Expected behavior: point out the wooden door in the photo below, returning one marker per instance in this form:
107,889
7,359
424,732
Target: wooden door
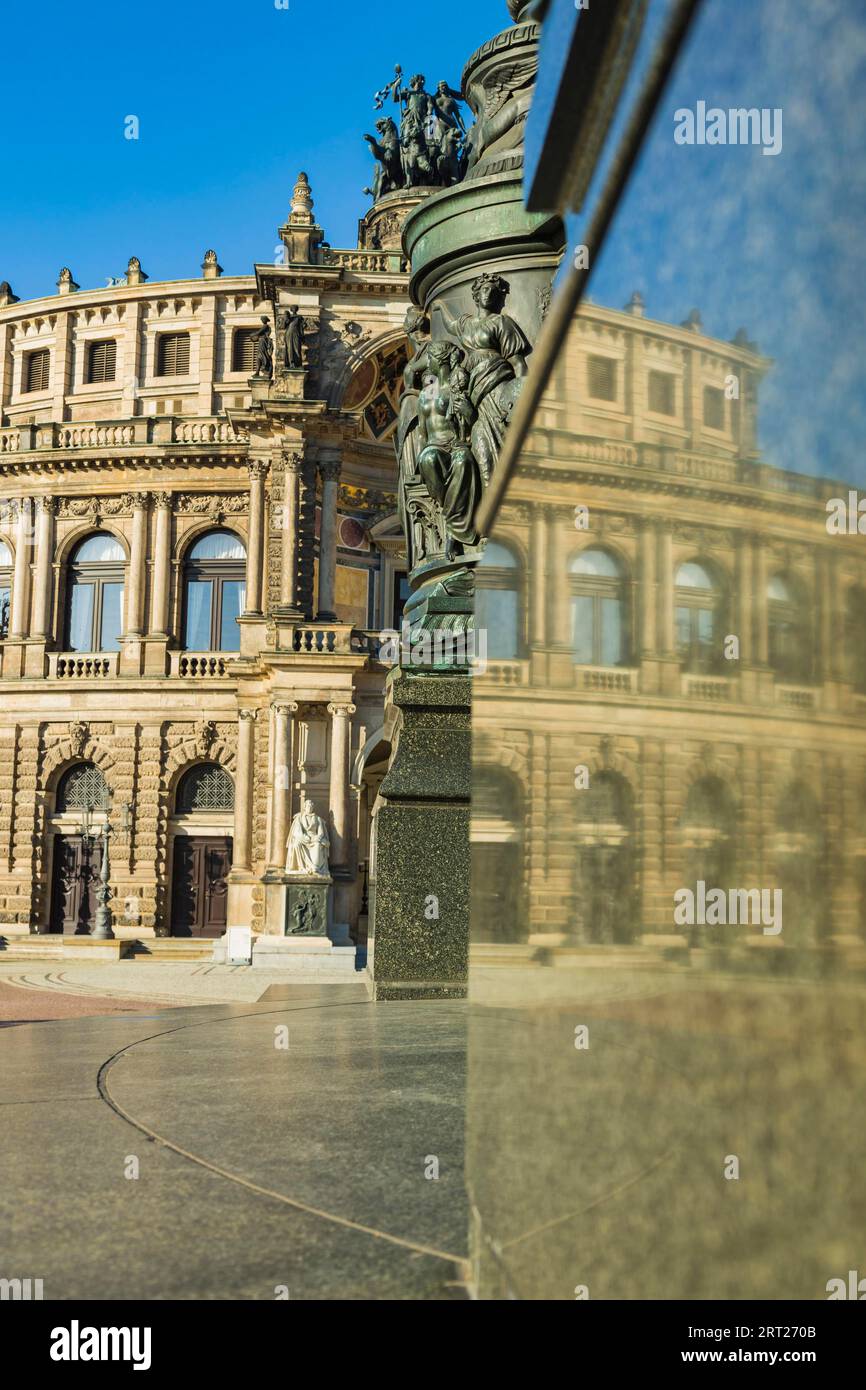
74,882
199,888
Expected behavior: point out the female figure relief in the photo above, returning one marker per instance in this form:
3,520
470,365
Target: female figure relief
496,349
446,461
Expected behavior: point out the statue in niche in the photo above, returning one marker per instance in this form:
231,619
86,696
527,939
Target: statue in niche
292,339
446,462
386,150
308,845
264,350
496,350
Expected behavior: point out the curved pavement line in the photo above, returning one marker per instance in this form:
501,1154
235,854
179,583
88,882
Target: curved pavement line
345,1221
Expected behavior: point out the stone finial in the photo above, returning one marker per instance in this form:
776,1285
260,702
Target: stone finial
6,295
65,282
635,305
302,201
134,273
694,321
211,268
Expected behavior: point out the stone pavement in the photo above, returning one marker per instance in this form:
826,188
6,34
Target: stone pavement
277,1146
162,982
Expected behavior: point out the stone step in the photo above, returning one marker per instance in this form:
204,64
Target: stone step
31,947
174,948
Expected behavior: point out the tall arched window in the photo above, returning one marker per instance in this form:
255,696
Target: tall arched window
205,787
214,593
497,601
698,617
5,588
789,647
605,880
597,609
94,597
855,639
707,829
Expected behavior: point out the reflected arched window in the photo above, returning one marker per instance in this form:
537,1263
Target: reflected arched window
597,609
698,617
707,829
855,643
214,593
497,601
205,787
94,595
496,840
800,864
605,881
5,588
788,640
80,787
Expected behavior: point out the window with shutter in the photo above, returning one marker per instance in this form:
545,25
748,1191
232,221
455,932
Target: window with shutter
601,377
172,354
243,350
714,407
662,393
102,360
37,370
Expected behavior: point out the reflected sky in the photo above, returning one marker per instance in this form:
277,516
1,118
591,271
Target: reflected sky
769,243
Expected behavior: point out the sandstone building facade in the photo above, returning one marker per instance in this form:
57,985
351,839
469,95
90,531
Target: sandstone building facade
194,565
676,686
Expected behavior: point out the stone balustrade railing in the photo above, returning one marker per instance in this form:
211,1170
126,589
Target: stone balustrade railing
119,434
708,687
198,665
381,262
83,666
612,679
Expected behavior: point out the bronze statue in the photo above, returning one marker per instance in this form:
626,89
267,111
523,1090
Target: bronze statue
264,350
446,461
293,339
447,110
386,150
496,350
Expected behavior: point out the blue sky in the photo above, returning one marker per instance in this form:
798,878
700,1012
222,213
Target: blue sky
772,243
233,99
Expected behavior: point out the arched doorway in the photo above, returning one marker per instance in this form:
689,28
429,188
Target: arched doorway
707,831
496,843
81,804
605,890
800,857
202,851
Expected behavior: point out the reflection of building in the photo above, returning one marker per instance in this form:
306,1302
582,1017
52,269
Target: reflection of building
676,687
194,560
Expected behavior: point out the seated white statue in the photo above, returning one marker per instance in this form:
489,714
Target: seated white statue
308,845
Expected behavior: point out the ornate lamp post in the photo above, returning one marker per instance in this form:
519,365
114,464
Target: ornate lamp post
102,925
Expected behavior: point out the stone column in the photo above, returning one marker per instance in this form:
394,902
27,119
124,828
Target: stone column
648,639
161,564
339,791
329,467
20,614
44,566
282,780
137,558
243,837
291,519
666,640
762,635
540,543
255,551
744,598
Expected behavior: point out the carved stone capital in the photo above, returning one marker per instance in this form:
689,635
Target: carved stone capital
48,505
258,468
330,470
247,715
162,499
338,709
293,462
286,707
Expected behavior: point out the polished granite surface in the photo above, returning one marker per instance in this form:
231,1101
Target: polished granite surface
260,1165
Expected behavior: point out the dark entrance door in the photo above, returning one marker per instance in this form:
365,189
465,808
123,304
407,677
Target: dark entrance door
199,889
74,881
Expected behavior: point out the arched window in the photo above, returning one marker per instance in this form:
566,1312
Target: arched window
800,863
5,588
80,787
214,593
605,879
205,787
497,601
855,643
707,829
597,609
698,617
788,641
496,832
94,598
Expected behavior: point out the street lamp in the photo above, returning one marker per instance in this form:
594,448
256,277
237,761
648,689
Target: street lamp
102,924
